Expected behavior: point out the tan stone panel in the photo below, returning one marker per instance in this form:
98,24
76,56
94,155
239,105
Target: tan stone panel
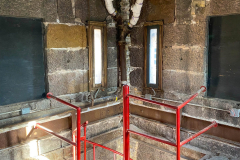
64,36
155,10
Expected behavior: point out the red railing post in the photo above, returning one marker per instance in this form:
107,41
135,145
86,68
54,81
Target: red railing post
78,133
178,141
74,148
126,146
93,152
85,135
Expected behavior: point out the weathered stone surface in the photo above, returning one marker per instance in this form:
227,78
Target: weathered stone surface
182,82
152,12
65,11
68,135
144,14
67,82
58,60
211,113
108,136
55,155
46,9
103,126
145,151
203,142
224,7
189,153
26,151
137,36
183,10
97,10
56,104
187,59
42,105
49,144
81,9
136,78
154,128
112,77
185,35
136,57
111,37
37,105
50,11
112,57
64,36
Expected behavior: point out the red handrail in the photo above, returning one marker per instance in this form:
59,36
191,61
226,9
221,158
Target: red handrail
153,138
76,145
214,124
178,144
126,130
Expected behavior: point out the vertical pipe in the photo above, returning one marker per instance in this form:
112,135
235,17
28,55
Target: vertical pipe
122,48
114,156
85,148
74,148
93,152
178,119
78,133
126,147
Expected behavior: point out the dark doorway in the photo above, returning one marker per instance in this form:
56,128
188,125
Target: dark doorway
22,69
224,57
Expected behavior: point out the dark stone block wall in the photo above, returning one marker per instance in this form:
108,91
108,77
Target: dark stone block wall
65,48
152,10
185,50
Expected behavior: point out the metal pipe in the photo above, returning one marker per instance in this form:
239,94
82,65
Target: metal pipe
123,64
37,126
126,137
151,101
178,138
214,124
153,138
79,133
203,89
85,145
50,95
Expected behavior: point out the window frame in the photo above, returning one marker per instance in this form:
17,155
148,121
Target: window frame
147,27
91,26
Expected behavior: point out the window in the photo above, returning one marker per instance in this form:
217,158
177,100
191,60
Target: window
153,55
224,57
21,60
97,55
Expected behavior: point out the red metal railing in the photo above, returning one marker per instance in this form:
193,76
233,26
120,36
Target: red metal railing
127,131
76,138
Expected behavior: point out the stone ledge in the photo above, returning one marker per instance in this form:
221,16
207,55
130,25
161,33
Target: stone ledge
207,143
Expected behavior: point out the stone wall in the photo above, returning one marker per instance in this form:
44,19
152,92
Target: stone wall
67,68
153,10
185,51
66,49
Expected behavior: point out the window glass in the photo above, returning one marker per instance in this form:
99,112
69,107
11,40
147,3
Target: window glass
98,55
152,57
